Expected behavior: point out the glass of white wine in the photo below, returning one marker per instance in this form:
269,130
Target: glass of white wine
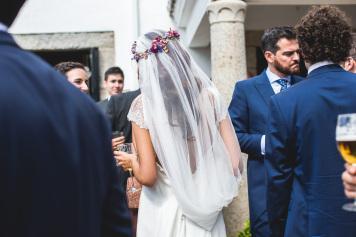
346,142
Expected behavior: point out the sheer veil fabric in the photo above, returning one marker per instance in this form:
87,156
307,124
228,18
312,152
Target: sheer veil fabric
183,111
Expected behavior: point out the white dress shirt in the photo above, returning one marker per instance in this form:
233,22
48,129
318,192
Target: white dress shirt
318,64
272,77
273,81
3,27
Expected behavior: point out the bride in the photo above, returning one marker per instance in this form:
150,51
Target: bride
188,157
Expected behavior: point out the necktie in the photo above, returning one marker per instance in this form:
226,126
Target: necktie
283,83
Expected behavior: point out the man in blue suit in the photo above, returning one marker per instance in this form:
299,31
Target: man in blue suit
57,172
249,110
304,190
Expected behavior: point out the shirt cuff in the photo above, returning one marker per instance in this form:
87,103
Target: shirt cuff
263,151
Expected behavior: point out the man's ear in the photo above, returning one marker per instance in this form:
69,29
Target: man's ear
269,56
353,65
349,64
105,83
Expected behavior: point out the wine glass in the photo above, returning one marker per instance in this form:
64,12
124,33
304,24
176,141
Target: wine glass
346,143
127,147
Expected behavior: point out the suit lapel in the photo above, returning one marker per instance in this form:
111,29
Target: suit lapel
264,87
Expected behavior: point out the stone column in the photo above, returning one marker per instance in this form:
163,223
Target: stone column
228,65
227,37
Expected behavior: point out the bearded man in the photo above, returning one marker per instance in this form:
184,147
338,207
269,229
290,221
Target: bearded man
249,111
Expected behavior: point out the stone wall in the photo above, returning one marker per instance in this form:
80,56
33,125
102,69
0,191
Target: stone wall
253,41
104,41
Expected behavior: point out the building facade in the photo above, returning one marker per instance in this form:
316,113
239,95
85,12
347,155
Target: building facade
96,33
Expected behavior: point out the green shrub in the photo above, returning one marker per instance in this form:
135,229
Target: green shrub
246,231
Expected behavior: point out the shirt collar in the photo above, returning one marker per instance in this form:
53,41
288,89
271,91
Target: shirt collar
272,77
318,64
3,27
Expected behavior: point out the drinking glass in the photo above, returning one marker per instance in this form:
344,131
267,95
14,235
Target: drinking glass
346,143
127,147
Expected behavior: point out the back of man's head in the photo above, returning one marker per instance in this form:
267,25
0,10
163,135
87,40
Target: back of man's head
324,33
9,10
272,35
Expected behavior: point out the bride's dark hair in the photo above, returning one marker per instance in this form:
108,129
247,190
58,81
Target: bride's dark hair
179,59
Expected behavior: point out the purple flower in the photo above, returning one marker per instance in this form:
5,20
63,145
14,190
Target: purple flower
158,45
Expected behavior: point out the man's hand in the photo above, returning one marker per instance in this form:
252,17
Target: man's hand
117,141
125,160
349,180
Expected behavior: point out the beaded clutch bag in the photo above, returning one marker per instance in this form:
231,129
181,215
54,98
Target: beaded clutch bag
133,192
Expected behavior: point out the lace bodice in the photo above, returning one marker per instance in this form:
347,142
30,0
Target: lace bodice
136,112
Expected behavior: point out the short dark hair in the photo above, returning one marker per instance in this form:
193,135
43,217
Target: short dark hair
272,35
65,67
113,70
324,33
9,10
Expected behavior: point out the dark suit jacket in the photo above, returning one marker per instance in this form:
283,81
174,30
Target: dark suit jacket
304,192
57,173
103,105
249,111
118,108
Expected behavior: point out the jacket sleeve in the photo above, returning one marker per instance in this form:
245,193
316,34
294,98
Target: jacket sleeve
279,162
239,112
111,113
116,220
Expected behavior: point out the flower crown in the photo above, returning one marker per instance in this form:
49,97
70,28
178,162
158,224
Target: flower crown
158,45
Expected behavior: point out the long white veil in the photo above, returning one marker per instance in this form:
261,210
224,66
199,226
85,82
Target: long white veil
183,111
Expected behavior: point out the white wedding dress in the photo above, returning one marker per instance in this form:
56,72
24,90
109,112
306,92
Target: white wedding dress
159,212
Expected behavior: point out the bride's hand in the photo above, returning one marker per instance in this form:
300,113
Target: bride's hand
124,159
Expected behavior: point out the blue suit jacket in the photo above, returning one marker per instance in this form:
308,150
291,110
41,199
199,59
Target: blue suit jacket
57,172
249,111
304,192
